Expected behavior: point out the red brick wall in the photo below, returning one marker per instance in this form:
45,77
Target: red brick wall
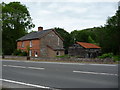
35,46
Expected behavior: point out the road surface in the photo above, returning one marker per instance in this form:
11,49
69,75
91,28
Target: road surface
51,75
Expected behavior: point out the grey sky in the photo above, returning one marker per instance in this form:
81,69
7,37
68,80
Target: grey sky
71,15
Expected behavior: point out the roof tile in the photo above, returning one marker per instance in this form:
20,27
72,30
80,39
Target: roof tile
88,45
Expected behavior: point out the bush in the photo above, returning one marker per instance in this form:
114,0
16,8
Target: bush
106,55
18,52
116,58
24,53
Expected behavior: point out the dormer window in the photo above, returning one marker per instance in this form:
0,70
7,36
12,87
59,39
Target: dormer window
30,43
22,44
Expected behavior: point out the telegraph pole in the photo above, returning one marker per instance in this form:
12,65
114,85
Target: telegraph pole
118,16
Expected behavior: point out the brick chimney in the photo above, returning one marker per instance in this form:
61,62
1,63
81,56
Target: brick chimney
40,28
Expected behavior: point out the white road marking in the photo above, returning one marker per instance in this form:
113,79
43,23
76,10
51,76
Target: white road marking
27,84
24,67
36,68
15,66
104,64
4,65
95,73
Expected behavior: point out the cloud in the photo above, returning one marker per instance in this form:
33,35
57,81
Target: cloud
45,12
83,1
71,15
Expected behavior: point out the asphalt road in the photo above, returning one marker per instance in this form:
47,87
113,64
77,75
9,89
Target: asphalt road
49,75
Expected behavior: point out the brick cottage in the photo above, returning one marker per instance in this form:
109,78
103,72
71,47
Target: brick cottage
42,43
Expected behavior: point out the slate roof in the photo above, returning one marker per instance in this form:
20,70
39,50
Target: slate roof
55,48
88,45
35,35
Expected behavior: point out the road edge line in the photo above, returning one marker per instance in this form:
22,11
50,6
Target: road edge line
23,83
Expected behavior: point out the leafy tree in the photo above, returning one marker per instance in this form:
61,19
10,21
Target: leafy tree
106,36
73,35
85,35
90,40
16,22
113,31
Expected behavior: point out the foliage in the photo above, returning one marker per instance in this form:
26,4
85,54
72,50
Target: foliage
106,36
18,52
106,55
83,36
112,28
116,58
16,22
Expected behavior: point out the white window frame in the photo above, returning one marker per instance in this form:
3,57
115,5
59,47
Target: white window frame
22,43
36,54
30,43
30,53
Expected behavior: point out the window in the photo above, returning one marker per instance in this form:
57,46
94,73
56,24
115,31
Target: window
22,44
36,54
30,53
58,53
30,43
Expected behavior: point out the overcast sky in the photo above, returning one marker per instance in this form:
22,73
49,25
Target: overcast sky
70,14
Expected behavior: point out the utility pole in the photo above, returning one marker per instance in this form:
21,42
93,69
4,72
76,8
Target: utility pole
118,16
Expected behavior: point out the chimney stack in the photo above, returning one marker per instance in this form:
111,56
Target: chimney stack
40,28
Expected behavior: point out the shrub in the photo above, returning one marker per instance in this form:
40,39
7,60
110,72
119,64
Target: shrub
116,58
18,52
106,55
24,53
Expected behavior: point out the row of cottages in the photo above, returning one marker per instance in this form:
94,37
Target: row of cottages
42,43
84,50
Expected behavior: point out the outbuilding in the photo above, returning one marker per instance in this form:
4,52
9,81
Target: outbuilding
84,50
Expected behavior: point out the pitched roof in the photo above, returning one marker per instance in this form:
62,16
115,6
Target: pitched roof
36,35
88,45
55,48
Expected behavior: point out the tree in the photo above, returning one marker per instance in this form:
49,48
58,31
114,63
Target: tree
16,23
113,33
90,40
85,35
73,36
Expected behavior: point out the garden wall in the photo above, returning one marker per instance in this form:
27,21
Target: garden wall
107,60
